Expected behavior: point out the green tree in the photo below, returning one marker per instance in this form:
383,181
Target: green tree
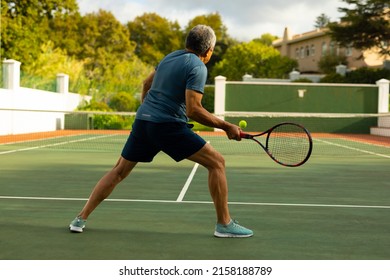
328,62
365,25
50,36
124,76
65,34
108,55
322,21
104,40
154,37
214,20
123,102
253,58
224,41
25,26
41,73
266,39
280,67
95,105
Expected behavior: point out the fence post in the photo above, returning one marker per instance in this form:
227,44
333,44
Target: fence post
247,78
341,69
11,74
62,83
294,75
383,95
219,96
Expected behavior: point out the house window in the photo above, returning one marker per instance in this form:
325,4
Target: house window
312,50
324,48
332,48
297,53
307,51
302,52
348,51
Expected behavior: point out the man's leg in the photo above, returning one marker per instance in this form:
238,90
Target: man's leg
101,191
215,164
106,185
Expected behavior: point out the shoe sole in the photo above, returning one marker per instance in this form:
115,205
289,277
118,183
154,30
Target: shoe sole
231,235
76,229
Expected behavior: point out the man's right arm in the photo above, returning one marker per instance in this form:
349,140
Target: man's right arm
146,85
198,113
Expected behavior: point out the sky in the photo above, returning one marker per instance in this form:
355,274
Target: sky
244,19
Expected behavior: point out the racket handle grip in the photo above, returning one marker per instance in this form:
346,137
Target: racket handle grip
245,135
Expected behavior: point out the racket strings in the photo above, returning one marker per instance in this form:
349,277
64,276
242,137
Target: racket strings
289,144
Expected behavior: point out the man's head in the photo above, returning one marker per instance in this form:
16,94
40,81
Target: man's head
201,40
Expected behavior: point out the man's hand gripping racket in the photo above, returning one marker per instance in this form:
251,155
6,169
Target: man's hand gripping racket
288,144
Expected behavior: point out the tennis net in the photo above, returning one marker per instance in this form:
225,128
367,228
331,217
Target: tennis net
334,134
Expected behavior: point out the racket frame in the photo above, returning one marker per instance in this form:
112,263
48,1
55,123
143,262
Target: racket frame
269,131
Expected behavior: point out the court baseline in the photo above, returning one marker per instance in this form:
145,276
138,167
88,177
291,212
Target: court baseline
201,202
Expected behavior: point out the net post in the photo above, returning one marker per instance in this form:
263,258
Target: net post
383,95
219,97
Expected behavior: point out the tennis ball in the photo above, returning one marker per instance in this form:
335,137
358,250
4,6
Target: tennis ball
242,124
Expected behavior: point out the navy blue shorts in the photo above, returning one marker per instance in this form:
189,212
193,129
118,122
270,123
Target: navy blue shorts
147,139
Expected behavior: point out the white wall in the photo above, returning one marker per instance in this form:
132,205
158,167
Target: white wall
27,105
21,109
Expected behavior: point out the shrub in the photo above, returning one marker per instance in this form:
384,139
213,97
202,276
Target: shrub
367,75
208,98
333,78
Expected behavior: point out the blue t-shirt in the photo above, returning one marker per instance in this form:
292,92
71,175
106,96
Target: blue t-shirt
165,101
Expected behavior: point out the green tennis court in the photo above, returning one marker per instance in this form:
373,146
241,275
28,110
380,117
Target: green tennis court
336,206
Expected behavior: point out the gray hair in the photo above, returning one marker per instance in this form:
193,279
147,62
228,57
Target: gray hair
200,39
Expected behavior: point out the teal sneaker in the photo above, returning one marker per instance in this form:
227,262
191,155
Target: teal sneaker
77,225
233,229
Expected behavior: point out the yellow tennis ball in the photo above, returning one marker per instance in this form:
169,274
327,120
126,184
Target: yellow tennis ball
242,124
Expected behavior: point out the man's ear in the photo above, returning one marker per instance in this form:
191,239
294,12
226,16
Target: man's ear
209,51
206,53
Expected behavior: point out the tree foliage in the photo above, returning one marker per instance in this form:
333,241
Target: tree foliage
322,21
104,40
362,75
109,60
328,62
123,102
266,39
155,37
253,58
224,41
101,121
365,25
41,73
366,75
25,25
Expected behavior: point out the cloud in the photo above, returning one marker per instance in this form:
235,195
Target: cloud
245,19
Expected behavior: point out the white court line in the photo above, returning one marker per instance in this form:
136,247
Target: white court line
36,140
187,184
354,149
52,145
202,202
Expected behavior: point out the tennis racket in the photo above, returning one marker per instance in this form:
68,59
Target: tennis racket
288,144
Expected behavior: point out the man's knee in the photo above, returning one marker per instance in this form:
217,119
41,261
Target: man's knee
218,161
